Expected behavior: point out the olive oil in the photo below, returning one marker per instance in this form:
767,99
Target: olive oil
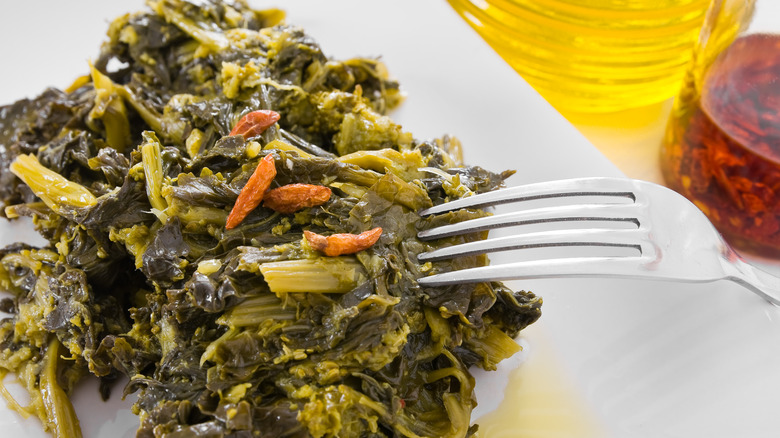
592,56
539,401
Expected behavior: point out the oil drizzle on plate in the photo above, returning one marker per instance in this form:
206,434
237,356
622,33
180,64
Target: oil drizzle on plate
539,401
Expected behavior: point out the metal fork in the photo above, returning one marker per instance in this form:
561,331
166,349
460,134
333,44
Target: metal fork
668,237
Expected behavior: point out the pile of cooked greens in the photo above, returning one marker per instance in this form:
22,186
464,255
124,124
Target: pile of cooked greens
252,329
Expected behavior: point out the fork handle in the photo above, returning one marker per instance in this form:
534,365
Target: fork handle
757,280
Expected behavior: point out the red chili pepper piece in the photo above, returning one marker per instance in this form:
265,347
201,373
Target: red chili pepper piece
293,197
254,123
252,193
338,244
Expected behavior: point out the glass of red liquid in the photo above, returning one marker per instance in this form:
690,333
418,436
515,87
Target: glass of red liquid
722,143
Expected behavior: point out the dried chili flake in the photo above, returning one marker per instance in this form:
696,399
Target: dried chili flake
293,197
255,123
344,243
252,193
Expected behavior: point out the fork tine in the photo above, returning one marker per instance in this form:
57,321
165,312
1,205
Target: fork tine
590,237
580,267
583,212
617,187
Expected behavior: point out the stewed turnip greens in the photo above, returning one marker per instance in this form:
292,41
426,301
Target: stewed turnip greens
260,328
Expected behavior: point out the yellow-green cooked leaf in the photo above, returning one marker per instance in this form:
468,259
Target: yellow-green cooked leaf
322,275
151,156
58,193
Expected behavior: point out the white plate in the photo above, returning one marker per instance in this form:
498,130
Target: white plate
609,358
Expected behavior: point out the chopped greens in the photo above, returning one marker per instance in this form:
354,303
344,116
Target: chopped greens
261,328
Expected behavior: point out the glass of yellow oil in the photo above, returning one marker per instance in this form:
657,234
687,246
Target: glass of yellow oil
592,56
